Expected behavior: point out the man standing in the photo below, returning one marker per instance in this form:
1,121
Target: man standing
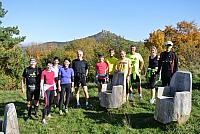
137,63
168,64
124,65
31,76
80,67
111,60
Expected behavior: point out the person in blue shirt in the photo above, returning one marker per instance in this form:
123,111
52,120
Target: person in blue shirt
65,84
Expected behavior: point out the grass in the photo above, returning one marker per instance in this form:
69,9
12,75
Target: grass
130,118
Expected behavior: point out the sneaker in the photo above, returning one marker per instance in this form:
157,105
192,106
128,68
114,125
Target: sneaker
66,111
140,98
88,106
152,101
131,97
44,122
27,119
49,115
60,112
78,106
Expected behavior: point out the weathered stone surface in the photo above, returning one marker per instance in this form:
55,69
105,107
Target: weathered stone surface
174,101
10,120
119,79
115,97
112,99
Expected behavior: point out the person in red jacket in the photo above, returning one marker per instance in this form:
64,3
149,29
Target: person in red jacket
101,72
48,86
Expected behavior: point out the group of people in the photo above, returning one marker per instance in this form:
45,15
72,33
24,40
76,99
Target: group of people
56,82
163,66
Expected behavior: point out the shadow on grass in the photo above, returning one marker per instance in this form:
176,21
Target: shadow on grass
196,86
135,121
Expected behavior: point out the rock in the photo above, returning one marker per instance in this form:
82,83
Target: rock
10,120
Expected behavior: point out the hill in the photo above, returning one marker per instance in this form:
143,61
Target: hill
99,37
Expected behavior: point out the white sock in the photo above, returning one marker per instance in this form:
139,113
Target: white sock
78,103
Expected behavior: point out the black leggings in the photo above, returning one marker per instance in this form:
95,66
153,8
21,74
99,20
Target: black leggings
48,98
65,88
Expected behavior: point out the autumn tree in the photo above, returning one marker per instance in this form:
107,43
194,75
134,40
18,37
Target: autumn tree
186,39
11,56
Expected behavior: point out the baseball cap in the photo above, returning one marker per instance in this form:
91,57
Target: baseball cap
101,55
168,43
32,60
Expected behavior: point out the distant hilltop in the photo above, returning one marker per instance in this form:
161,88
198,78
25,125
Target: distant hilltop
99,37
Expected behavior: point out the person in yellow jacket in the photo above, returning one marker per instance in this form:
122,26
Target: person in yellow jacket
111,60
137,64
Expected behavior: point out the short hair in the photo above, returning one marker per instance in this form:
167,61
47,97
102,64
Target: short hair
122,51
80,51
153,47
111,49
132,46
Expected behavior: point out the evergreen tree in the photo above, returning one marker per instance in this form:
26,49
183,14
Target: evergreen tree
11,56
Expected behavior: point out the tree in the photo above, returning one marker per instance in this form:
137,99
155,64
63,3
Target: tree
186,39
11,58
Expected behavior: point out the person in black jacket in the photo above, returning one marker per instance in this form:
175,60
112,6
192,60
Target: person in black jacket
80,67
31,78
168,64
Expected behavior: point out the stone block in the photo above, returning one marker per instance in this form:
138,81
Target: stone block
10,120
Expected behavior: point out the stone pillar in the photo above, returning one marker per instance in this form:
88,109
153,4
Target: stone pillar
119,79
10,120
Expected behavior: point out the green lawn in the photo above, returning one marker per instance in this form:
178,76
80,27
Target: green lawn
130,118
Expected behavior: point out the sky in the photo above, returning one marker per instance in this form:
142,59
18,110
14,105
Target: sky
65,20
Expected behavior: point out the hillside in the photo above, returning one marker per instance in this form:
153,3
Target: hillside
99,37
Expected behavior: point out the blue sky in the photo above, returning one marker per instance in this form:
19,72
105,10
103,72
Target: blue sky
65,20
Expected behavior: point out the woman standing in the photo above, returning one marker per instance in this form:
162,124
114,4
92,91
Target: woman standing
152,68
65,84
48,87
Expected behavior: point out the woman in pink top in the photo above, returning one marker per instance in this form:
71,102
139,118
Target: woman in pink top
48,86
101,72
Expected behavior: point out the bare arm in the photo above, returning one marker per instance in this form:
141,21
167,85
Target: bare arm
23,84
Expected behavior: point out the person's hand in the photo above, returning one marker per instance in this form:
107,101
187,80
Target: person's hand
55,93
128,77
59,88
42,96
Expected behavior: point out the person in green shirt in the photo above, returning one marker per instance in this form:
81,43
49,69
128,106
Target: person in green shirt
111,60
137,64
